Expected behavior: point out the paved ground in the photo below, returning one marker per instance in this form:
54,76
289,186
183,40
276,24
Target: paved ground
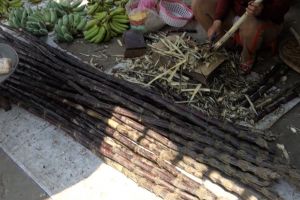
62,167
15,184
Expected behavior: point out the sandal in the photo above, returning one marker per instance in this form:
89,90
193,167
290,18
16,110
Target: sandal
246,67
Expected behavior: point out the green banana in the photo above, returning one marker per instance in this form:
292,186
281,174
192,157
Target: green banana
64,29
108,32
33,24
92,8
43,31
91,23
66,4
47,15
71,20
101,35
121,26
79,8
66,7
33,18
114,34
29,11
124,16
15,3
68,37
115,28
96,35
77,19
59,22
82,24
7,5
101,15
121,21
58,32
75,4
117,11
24,18
88,35
65,20
53,16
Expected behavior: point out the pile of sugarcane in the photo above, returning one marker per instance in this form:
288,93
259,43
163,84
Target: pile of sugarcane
150,139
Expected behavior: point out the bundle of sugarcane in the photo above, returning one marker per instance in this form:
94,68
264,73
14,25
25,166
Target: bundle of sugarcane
148,138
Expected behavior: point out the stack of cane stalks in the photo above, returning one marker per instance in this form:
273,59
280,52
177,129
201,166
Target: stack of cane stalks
150,139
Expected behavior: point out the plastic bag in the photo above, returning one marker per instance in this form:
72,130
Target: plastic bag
147,4
143,15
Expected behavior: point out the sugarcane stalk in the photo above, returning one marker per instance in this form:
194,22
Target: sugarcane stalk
146,180
277,96
178,183
195,145
252,89
273,106
112,81
48,89
123,141
79,82
271,82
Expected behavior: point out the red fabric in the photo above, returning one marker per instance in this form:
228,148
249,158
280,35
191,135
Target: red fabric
272,45
274,10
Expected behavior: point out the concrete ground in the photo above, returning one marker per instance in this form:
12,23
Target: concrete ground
15,184
55,177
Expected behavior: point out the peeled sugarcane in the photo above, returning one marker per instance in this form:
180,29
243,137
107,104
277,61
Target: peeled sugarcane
62,118
99,127
197,188
234,28
152,183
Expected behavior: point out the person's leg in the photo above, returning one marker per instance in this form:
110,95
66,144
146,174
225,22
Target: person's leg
255,33
204,12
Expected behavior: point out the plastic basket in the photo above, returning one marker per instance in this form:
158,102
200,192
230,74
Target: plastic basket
174,13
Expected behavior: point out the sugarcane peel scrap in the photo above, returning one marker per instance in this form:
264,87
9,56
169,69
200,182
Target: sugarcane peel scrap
161,69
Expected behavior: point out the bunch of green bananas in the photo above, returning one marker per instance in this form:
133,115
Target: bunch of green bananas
40,21
68,7
106,25
96,6
7,5
18,17
50,17
37,22
69,26
34,1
